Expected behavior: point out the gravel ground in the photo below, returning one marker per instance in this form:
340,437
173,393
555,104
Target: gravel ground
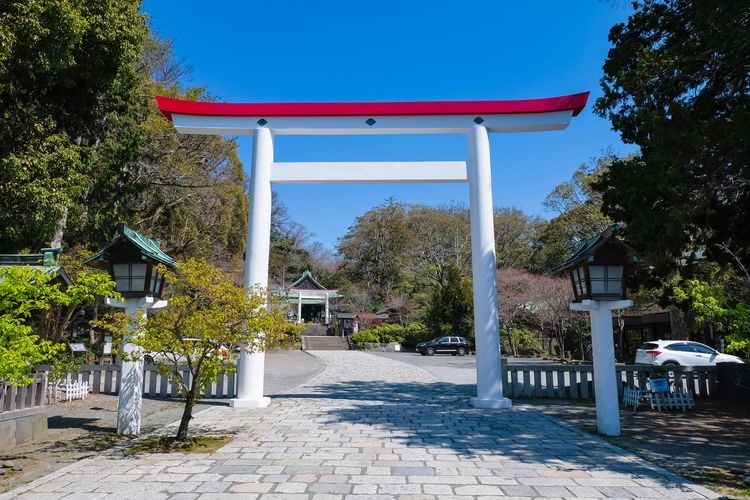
709,445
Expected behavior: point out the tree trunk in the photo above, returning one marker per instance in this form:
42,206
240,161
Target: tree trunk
187,414
60,229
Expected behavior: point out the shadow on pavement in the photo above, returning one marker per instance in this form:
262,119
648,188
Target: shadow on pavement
438,415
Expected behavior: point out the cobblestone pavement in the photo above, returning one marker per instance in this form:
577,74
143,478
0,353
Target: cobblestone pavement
365,428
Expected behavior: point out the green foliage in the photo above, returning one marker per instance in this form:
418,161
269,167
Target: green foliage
707,304
524,341
189,188
62,365
414,333
67,84
23,292
451,308
288,337
578,214
738,339
206,316
408,336
516,238
365,337
374,249
90,286
676,85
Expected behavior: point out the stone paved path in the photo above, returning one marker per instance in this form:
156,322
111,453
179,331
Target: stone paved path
365,428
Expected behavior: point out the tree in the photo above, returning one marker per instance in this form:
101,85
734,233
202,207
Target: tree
516,238
677,85
440,239
539,303
374,248
706,304
24,291
451,309
67,98
206,318
578,214
89,288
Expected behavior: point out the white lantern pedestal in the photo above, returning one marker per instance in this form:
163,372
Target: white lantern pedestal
605,376
130,395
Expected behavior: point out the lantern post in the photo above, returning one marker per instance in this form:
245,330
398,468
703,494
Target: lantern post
132,260
597,271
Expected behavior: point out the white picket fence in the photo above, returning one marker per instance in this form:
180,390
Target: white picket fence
105,379
538,380
565,381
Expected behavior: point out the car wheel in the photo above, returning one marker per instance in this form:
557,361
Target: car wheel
461,351
670,373
430,351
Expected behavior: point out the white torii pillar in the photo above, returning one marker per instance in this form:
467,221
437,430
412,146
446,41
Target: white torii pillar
484,273
250,374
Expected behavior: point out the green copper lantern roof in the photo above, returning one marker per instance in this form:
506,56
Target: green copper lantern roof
148,247
587,248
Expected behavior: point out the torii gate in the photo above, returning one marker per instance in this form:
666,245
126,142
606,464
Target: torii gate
474,118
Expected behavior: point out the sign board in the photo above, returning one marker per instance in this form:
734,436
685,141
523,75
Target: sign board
76,347
659,385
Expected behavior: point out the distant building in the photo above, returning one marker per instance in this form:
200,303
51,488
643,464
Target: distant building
309,301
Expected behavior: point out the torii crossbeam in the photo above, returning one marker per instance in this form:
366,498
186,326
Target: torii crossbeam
476,119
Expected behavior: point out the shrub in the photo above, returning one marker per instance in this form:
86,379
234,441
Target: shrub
288,337
365,336
414,333
520,341
408,336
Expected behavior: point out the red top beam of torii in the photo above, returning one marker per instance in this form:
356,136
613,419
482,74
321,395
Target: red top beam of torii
573,102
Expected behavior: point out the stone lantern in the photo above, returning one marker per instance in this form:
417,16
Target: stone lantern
132,260
597,270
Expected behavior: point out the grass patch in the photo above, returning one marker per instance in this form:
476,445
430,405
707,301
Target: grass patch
168,444
726,482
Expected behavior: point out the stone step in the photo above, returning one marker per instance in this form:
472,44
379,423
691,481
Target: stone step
316,343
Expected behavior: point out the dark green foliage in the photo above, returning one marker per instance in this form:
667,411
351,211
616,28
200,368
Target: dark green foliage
66,79
677,84
374,249
408,336
451,308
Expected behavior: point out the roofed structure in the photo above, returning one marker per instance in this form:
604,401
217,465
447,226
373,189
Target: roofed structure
46,261
129,240
311,299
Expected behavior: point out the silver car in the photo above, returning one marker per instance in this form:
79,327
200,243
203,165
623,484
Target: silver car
681,352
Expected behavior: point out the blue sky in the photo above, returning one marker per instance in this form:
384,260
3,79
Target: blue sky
326,51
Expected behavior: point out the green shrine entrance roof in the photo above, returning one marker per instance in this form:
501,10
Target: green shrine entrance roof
47,261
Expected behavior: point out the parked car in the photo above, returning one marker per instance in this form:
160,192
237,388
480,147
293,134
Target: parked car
457,346
681,352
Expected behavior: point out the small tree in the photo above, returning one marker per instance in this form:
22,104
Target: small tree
24,291
206,318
